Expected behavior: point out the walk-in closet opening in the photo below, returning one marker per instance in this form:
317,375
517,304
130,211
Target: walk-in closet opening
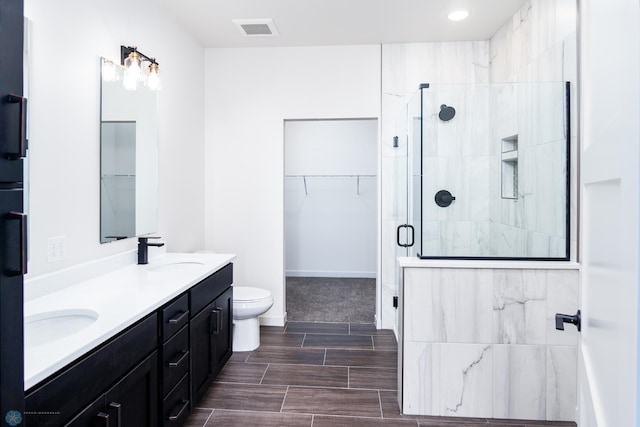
330,207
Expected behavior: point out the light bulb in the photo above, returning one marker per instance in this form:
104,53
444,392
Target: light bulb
129,82
153,79
132,66
108,71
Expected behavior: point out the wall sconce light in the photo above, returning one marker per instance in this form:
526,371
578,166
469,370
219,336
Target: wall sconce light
132,60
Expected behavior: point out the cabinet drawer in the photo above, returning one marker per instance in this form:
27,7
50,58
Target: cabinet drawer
209,289
175,359
175,407
175,316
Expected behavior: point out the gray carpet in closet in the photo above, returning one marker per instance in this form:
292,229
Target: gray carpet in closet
330,299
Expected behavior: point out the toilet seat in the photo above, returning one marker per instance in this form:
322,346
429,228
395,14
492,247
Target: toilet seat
244,294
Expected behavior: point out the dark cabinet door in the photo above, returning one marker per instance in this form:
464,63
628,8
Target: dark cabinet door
202,351
223,338
132,402
12,260
211,342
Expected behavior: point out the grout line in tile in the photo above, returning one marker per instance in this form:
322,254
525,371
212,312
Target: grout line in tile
283,399
313,418
380,404
303,340
208,418
264,373
348,376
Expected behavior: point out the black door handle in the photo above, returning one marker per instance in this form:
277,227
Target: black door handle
413,232
561,319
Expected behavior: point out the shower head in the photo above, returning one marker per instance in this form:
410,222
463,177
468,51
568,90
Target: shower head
446,113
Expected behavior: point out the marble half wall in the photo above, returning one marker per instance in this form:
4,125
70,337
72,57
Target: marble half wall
481,342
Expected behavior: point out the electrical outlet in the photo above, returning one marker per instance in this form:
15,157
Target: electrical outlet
56,250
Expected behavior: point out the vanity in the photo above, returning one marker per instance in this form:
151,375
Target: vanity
137,346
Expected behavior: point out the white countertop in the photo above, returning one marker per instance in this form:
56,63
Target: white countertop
120,298
415,262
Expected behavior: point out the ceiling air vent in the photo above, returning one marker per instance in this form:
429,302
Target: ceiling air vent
256,27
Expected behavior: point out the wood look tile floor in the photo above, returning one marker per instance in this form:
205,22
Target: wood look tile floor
319,375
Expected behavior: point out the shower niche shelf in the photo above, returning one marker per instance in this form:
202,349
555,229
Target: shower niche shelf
509,167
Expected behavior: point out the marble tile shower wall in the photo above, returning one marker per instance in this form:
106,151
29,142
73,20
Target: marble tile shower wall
456,157
533,224
538,45
482,343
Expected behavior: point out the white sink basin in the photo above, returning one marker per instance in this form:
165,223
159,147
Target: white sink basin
176,265
50,326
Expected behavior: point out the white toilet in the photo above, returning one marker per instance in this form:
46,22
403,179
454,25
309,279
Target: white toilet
248,304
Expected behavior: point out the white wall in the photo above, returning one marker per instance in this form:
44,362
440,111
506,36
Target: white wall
68,37
331,198
249,94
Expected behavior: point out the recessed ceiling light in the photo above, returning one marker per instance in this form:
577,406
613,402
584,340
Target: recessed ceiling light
458,14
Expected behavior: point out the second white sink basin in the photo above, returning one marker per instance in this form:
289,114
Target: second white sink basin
177,265
52,325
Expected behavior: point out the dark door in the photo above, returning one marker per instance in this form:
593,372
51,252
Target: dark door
12,105
12,221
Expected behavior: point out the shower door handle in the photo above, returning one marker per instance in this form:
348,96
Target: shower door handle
413,231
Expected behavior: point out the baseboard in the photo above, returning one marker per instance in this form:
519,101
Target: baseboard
273,320
345,274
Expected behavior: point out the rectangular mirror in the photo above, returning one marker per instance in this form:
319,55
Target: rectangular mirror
128,157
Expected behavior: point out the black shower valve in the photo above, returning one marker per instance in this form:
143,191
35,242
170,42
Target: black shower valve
444,198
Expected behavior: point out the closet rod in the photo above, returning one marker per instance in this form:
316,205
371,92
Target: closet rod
304,180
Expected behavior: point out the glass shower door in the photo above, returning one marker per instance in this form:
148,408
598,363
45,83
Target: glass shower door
410,179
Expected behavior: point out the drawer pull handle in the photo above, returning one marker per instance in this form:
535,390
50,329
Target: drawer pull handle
21,151
216,325
21,263
178,317
102,419
115,412
185,405
176,363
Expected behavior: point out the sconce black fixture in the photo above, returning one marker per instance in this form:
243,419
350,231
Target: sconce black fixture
444,198
395,142
131,58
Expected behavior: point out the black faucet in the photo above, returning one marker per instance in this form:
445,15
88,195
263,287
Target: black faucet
143,249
